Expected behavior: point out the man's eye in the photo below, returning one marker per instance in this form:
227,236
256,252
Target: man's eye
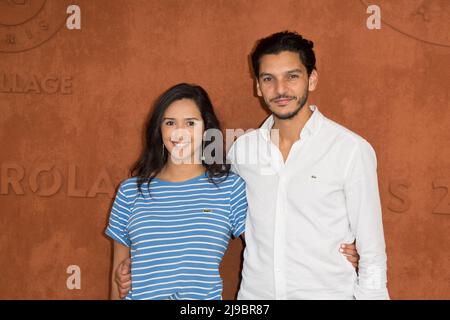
266,79
293,76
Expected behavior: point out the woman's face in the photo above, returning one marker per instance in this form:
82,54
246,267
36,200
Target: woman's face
182,131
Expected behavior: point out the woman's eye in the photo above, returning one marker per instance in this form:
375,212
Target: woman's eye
170,123
191,123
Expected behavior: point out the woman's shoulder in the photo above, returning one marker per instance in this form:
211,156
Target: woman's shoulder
235,177
129,186
231,180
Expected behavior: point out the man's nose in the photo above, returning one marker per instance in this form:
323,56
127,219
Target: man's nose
281,87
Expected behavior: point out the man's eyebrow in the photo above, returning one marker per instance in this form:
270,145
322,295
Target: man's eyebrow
294,71
262,74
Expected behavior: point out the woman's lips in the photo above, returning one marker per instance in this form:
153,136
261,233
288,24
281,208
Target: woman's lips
180,144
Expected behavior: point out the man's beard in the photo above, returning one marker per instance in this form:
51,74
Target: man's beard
292,114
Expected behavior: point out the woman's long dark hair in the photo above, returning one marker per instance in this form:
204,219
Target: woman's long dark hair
154,157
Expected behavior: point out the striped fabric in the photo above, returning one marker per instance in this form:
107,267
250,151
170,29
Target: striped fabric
179,235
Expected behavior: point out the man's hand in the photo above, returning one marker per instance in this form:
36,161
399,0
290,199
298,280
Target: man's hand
349,250
123,277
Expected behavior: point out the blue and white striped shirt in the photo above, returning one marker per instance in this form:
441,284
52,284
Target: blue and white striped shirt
178,234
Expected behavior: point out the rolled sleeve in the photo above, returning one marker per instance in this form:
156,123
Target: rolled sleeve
364,210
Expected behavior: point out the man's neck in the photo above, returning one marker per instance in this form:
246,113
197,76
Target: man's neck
289,129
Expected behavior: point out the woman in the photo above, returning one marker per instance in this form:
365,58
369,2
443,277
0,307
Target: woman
176,214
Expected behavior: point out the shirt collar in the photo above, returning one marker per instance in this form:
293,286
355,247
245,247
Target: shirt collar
311,126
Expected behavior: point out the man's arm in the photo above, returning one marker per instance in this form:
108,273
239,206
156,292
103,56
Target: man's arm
364,210
121,271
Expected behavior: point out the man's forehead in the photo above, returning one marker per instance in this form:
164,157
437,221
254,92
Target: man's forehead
281,62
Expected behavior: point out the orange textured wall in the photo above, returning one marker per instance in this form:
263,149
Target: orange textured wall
73,104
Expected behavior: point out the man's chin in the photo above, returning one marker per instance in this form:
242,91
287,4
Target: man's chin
285,115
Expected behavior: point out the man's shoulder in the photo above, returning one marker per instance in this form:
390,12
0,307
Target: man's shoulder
342,133
348,143
250,135
245,141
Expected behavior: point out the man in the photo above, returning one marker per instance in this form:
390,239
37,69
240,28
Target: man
313,186
317,189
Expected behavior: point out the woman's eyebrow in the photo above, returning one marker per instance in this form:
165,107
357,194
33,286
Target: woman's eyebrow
190,118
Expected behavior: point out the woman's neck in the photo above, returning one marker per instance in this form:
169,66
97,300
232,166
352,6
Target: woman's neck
180,172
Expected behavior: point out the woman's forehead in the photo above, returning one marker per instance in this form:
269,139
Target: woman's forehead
184,108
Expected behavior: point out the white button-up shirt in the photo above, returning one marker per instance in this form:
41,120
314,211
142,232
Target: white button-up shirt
301,210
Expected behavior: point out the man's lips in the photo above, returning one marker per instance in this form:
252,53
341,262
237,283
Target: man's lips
283,101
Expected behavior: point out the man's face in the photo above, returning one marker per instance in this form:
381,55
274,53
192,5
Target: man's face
284,84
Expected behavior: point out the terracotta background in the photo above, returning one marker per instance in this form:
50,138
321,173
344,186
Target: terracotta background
63,153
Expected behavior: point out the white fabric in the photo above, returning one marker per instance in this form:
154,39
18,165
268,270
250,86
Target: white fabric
301,210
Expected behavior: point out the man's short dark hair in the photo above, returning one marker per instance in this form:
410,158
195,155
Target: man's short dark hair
284,41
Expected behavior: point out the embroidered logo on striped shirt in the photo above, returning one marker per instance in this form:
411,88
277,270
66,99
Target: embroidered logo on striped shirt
207,211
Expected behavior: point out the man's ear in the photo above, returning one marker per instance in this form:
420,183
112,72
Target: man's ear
258,89
313,79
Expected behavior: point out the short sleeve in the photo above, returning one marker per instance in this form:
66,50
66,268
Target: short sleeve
119,216
238,207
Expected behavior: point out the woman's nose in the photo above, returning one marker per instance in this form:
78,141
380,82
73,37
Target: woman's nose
180,134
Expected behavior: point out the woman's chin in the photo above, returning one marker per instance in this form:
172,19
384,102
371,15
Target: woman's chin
180,159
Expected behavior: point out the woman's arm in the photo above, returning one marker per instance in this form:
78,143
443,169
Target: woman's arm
121,253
